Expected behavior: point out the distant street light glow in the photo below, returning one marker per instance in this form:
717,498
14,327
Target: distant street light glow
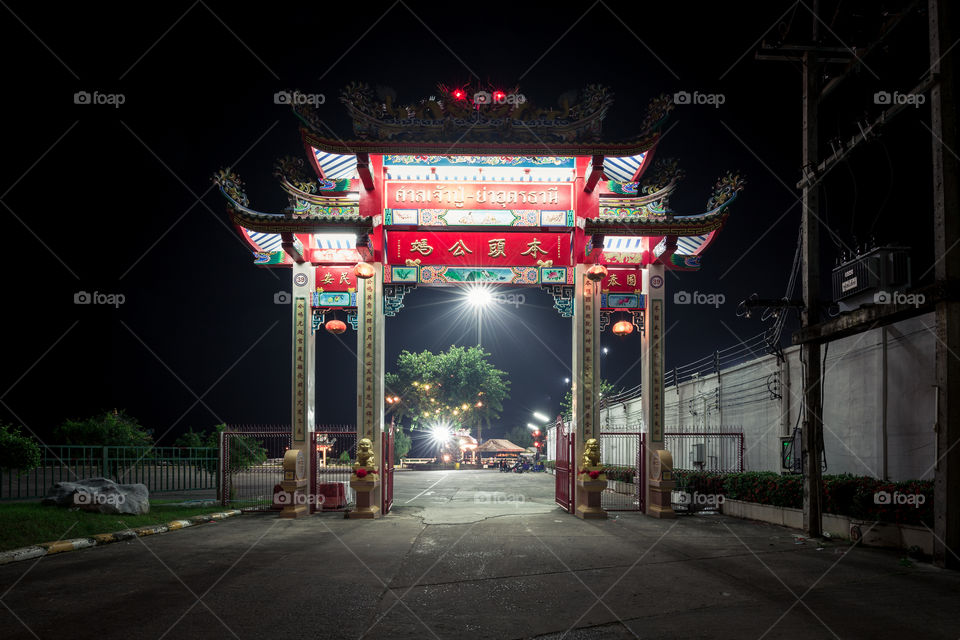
532,426
540,416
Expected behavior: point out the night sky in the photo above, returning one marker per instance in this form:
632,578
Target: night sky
118,200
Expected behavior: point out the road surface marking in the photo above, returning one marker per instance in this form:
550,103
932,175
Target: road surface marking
425,490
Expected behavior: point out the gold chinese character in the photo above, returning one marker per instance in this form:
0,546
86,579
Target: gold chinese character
421,247
459,249
631,280
533,248
613,282
344,279
497,246
327,278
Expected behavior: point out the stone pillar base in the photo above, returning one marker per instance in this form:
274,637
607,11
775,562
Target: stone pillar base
588,499
365,491
658,505
293,511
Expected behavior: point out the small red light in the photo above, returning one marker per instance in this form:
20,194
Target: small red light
499,96
459,94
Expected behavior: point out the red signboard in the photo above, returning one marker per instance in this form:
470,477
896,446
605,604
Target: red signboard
336,278
467,248
622,281
479,195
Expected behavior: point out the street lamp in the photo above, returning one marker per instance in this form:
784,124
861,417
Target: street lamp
479,296
539,416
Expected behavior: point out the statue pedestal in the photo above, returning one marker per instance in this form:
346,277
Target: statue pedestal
659,492
588,497
364,488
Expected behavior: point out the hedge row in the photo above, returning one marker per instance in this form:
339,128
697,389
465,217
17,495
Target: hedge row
847,495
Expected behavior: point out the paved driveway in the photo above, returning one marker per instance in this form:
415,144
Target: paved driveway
477,555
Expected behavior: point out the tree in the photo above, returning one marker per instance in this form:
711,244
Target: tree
458,387
245,451
566,406
401,444
110,429
17,451
521,436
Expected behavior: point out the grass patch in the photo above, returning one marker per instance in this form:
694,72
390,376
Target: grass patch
27,523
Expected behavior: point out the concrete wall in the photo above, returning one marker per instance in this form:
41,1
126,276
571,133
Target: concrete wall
878,394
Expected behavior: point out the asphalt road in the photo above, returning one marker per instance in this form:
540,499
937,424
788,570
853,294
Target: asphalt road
478,555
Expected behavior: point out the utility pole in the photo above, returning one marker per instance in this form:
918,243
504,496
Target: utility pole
810,315
946,224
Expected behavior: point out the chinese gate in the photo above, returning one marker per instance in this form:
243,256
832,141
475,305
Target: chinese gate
372,218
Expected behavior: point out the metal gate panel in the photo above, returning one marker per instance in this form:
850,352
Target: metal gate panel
386,487
565,466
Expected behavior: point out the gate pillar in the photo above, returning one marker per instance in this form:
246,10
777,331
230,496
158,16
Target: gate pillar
659,465
370,371
303,376
586,381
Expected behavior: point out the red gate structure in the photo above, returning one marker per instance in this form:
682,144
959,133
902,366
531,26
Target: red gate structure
386,488
565,466
334,447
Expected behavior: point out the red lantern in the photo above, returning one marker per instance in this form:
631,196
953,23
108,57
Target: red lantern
597,272
623,328
363,270
335,326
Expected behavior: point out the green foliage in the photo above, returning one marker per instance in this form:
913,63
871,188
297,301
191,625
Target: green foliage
401,445
460,387
520,436
550,464
620,473
844,494
17,451
245,451
110,429
566,406
345,457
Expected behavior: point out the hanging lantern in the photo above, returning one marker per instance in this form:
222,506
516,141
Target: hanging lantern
597,272
622,328
335,326
363,270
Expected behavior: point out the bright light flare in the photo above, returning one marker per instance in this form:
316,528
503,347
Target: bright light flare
479,295
440,435
539,416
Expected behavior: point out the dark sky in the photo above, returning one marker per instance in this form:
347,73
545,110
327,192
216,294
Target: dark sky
119,200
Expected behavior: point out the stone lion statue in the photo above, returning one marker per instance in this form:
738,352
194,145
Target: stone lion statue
591,453
364,454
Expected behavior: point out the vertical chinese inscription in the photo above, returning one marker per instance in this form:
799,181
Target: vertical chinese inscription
588,359
656,369
369,318
299,368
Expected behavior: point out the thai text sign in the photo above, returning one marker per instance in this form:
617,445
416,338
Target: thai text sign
478,248
478,195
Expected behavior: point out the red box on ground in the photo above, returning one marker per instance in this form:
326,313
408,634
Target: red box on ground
334,496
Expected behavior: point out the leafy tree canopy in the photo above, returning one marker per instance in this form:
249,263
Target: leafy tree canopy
459,387
521,436
109,429
17,451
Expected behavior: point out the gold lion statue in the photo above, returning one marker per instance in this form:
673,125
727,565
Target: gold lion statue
364,454
591,454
